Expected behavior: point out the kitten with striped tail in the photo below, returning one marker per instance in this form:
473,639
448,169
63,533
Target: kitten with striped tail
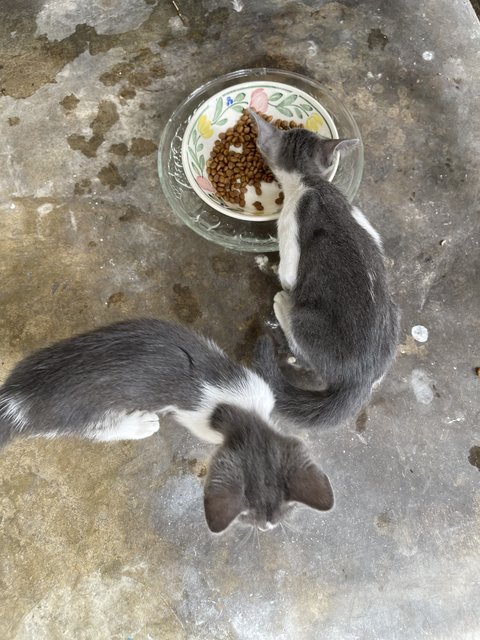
335,308
114,382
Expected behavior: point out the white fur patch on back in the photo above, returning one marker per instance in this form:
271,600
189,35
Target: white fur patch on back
287,226
360,218
252,393
14,410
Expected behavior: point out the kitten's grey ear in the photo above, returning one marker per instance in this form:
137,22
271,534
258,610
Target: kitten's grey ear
310,486
268,136
222,505
342,145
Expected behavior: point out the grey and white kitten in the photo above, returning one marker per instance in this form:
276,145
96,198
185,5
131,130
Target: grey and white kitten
111,384
335,308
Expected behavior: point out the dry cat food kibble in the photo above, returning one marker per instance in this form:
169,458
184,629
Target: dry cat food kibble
235,162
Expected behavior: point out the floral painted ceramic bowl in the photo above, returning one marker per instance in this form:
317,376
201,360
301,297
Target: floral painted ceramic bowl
221,111
198,214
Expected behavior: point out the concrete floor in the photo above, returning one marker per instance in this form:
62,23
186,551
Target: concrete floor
109,541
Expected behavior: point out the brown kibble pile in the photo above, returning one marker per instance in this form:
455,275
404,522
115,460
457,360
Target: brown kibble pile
235,162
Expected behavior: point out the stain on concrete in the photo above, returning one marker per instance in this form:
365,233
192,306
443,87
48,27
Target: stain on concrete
116,298
252,328
117,73
126,93
110,176
138,73
107,116
223,265
87,147
119,149
411,347
40,60
70,102
131,213
14,121
361,421
474,456
83,187
377,39
384,520
141,147
185,305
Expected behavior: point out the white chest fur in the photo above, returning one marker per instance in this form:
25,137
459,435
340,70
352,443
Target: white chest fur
289,246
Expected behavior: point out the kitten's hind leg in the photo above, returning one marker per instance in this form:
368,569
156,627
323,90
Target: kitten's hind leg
125,426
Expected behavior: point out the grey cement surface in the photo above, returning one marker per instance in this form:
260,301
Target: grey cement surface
105,541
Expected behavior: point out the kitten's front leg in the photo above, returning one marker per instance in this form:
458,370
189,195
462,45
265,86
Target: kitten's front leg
125,426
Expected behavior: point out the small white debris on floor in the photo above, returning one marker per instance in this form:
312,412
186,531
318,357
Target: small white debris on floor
262,263
420,333
428,55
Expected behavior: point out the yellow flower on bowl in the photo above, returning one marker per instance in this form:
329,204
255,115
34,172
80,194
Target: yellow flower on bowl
314,122
204,127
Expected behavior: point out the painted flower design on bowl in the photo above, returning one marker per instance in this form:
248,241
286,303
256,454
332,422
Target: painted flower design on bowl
314,122
204,127
259,100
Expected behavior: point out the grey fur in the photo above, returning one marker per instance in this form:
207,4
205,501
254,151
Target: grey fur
152,365
255,455
342,319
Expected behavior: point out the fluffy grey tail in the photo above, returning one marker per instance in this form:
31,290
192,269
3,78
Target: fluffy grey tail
326,408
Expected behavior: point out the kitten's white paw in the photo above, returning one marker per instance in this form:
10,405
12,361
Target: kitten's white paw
131,426
141,424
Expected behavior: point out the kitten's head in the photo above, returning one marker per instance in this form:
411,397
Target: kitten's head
298,150
258,474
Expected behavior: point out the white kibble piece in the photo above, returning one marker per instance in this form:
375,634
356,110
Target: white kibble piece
420,333
291,360
428,55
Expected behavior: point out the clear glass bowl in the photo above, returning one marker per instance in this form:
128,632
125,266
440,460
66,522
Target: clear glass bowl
242,235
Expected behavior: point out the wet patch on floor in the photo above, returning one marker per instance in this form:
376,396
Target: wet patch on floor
110,176
70,102
116,298
474,456
361,421
107,116
185,305
119,149
252,328
141,147
377,39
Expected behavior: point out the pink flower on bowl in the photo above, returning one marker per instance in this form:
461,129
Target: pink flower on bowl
259,100
205,184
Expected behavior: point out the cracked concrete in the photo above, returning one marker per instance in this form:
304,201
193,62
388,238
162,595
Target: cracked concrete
109,541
